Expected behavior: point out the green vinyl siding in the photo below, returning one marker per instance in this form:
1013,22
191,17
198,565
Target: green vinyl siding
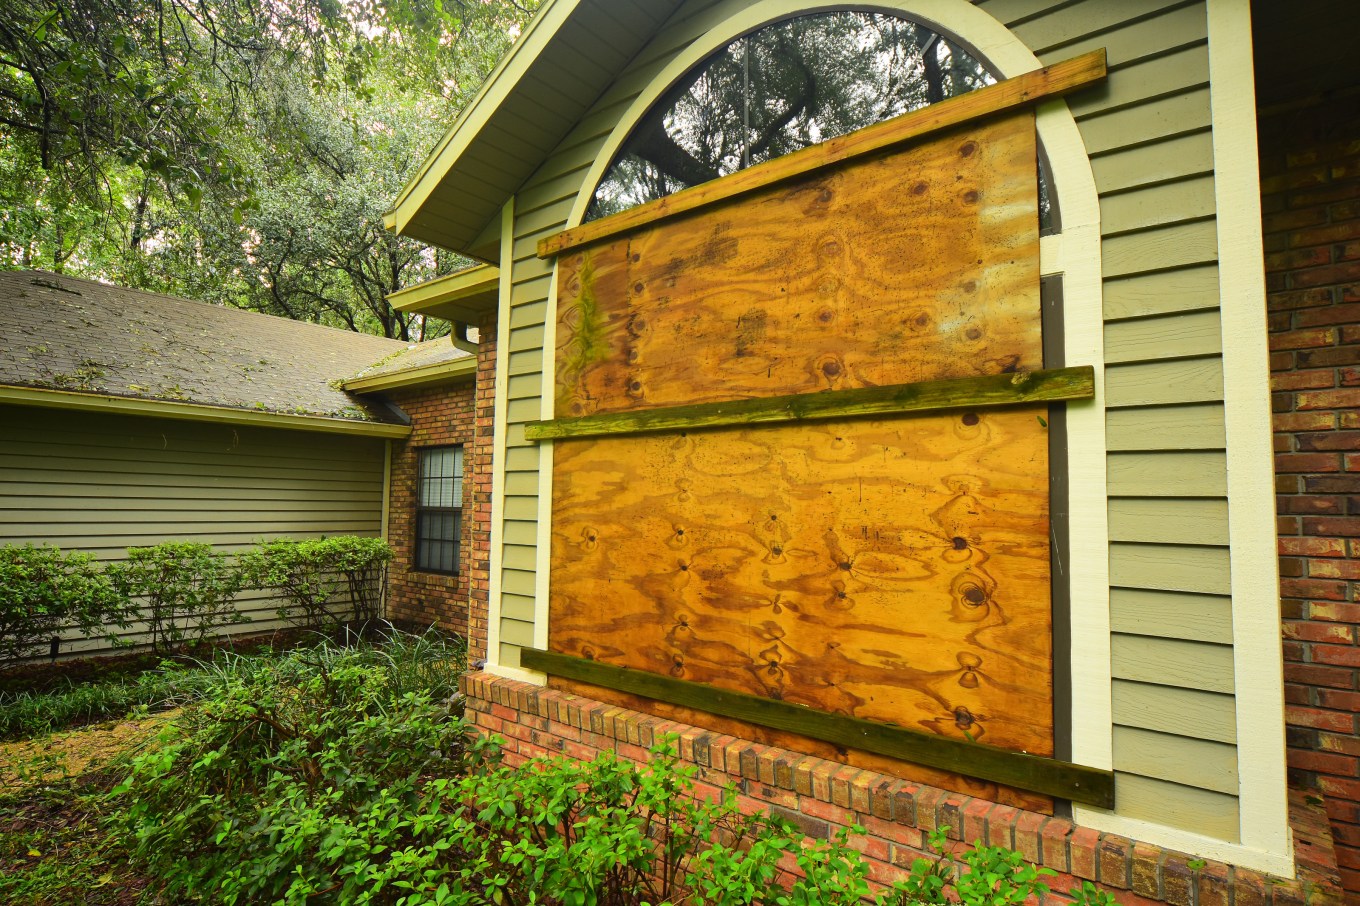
1147,131
1151,153
102,483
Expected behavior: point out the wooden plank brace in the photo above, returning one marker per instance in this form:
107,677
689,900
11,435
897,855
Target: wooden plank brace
924,396
1078,783
1030,88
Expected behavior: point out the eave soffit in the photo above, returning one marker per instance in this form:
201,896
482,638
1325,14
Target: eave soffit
469,176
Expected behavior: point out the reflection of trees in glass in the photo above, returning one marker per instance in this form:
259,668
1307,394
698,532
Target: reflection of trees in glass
784,87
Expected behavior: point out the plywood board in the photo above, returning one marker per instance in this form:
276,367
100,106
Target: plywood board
894,570
916,265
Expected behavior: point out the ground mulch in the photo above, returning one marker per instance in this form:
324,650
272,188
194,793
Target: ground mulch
70,753
55,849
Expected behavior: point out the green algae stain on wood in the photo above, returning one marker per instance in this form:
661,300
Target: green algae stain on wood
928,396
587,337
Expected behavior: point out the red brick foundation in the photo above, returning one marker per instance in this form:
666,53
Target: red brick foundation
1310,168
822,797
454,413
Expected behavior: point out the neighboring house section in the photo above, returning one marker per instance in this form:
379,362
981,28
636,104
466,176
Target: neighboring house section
1166,671
102,482
130,418
439,475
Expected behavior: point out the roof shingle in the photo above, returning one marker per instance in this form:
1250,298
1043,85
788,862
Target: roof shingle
65,333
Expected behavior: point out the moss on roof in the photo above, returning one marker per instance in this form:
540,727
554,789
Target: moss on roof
65,333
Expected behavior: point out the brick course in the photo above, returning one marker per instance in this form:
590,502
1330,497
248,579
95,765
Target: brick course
824,797
455,413
1310,169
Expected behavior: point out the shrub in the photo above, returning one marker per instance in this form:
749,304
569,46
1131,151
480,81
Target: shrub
325,581
44,591
328,776
557,831
991,875
299,779
188,590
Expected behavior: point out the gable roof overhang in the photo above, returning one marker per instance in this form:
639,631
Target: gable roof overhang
411,378
564,60
462,297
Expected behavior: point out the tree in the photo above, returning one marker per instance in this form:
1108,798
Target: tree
242,152
781,88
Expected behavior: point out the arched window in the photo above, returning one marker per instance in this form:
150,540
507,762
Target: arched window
781,88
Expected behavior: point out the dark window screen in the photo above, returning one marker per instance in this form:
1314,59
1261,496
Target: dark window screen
439,497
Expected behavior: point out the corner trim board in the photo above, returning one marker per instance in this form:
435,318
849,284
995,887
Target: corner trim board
1017,769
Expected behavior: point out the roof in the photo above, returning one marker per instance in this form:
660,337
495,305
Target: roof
431,362
464,295
563,61
74,338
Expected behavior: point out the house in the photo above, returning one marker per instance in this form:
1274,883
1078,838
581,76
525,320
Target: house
439,527
883,404
129,418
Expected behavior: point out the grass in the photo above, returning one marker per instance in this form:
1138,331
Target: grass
39,697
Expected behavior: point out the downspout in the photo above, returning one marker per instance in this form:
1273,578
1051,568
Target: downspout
459,338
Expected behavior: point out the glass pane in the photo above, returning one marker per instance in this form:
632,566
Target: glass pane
787,86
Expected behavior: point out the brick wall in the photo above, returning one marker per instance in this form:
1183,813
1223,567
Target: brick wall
822,797
479,551
1310,188
440,415
455,413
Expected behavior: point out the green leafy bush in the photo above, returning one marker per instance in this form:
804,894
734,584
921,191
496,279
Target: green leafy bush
44,591
325,582
557,831
300,779
186,589
991,876
341,776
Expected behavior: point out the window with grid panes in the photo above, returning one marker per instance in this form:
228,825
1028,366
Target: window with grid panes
439,498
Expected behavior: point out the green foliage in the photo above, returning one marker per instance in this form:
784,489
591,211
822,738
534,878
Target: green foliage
347,776
1089,894
607,831
186,591
299,779
991,876
238,153
29,713
44,591
326,582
